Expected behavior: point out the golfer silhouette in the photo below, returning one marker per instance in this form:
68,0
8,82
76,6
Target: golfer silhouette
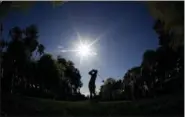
92,85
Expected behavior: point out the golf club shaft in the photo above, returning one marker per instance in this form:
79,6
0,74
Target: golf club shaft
100,77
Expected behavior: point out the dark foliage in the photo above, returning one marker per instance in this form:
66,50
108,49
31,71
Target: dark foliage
45,77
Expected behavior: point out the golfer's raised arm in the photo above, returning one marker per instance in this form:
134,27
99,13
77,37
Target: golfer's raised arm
90,73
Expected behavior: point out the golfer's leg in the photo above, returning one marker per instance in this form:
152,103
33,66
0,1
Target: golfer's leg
94,91
90,91
90,95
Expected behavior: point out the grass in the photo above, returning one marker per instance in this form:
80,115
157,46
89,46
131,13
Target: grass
28,106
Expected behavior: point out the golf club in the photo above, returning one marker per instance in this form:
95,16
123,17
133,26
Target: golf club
101,78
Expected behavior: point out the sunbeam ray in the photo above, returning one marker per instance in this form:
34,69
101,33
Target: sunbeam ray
69,50
79,37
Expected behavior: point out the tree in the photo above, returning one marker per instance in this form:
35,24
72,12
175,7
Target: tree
30,40
148,68
48,72
3,45
172,16
46,77
169,23
40,49
72,74
15,57
108,88
19,51
77,81
133,82
166,62
111,89
23,6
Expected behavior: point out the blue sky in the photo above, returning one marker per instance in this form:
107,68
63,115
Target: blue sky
125,29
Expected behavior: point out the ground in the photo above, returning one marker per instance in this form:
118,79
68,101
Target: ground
29,106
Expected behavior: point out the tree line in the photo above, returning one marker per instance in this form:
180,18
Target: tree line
160,72
22,73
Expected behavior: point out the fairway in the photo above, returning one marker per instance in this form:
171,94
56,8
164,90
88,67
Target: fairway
28,106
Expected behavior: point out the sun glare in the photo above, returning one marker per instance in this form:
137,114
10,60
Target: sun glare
84,50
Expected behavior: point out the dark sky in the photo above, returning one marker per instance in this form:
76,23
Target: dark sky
125,29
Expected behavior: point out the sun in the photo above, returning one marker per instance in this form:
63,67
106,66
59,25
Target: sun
84,50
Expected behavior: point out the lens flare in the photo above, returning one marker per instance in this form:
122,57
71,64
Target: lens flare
83,49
